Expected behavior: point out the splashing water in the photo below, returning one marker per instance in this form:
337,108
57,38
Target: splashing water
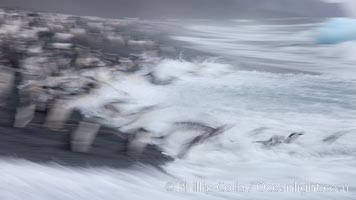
321,102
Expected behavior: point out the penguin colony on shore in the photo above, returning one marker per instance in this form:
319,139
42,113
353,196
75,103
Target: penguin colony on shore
53,60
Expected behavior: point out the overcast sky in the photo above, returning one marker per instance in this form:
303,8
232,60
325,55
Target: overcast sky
178,8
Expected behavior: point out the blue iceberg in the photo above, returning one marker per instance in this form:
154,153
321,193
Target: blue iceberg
336,30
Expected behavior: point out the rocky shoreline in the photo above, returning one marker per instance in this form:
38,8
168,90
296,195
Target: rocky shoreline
45,59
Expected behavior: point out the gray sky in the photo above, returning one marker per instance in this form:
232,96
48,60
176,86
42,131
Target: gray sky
349,5
179,8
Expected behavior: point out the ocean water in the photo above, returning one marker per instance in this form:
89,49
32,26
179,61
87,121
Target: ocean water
264,78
